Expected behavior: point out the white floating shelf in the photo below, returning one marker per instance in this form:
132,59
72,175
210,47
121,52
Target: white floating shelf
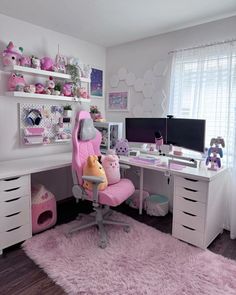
33,71
46,96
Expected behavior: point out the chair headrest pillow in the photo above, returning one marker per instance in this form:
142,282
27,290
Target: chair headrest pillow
87,130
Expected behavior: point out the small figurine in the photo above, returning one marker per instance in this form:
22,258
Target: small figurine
30,88
50,85
46,63
25,61
35,62
16,82
39,88
213,152
67,89
11,55
81,92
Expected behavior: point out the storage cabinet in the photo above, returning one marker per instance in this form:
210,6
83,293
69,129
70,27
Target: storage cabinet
197,210
110,132
15,211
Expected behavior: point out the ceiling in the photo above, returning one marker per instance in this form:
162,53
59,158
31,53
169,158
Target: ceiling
112,22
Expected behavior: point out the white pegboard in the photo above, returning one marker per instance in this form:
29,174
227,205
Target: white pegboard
51,114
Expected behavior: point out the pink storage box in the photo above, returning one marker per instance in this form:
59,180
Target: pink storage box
44,210
133,201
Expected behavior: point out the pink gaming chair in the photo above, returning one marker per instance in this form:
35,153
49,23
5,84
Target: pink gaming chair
113,195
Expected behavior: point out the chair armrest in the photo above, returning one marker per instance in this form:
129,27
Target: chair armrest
124,166
93,179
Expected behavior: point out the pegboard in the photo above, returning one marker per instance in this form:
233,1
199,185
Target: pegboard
51,116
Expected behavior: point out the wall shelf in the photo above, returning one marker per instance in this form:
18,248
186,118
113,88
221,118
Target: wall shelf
46,96
16,68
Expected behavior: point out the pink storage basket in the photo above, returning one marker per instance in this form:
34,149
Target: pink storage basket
133,201
44,210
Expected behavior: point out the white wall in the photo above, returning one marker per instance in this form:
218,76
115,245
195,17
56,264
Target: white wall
40,42
140,56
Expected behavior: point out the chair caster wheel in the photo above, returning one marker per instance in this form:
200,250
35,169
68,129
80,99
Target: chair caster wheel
102,244
127,228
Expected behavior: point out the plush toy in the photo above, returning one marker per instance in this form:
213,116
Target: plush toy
94,168
25,61
16,82
81,92
35,62
39,88
122,147
11,55
46,63
50,85
111,166
67,89
30,88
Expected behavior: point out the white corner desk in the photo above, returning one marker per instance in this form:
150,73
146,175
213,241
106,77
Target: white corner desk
197,210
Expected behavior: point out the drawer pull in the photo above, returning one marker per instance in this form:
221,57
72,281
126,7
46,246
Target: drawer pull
187,199
13,228
190,189
12,189
13,214
188,227
193,180
187,213
10,179
12,200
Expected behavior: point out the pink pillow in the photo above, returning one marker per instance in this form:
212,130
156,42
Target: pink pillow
111,166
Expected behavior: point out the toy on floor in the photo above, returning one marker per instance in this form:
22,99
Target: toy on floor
215,153
94,168
44,210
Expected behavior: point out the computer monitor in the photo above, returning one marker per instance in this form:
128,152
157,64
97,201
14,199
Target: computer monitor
186,133
143,130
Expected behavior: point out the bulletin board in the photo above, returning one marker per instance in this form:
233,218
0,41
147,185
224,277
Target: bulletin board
57,128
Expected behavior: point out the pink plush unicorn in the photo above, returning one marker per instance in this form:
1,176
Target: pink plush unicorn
111,166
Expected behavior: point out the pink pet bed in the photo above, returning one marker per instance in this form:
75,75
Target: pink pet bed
44,209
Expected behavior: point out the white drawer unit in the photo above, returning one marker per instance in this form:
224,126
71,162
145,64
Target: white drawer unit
15,210
197,210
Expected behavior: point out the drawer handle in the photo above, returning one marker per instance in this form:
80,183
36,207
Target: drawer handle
10,179
193,229
189,213
10,215
190,179
187,199
12,200
12,189
13,228
190,189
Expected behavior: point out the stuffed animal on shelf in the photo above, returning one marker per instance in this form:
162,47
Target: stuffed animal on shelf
214,151
16,82
25,61
93,168
67,89
30,88
50,85
35,62
11,55
40,89
122,147
46,63
111,166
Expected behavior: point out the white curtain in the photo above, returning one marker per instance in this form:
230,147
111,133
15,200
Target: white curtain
203,86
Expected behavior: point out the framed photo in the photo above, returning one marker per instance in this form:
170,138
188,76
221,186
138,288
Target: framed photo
96,85
118,101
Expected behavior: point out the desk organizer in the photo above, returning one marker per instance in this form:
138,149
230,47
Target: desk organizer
43,124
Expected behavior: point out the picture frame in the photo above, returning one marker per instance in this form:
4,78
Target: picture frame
96,84
118,101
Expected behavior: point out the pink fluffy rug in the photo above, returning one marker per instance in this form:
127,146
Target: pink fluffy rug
142,262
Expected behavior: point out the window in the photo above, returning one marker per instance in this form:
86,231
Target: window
203,86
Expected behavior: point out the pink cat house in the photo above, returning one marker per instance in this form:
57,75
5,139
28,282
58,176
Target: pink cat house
44,210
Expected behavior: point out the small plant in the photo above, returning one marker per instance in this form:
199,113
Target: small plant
73,70
67,107
94,110
58,87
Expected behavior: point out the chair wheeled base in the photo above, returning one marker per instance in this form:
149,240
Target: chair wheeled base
100,219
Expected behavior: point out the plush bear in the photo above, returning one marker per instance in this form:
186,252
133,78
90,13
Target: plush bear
122,147
111,166
94,168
